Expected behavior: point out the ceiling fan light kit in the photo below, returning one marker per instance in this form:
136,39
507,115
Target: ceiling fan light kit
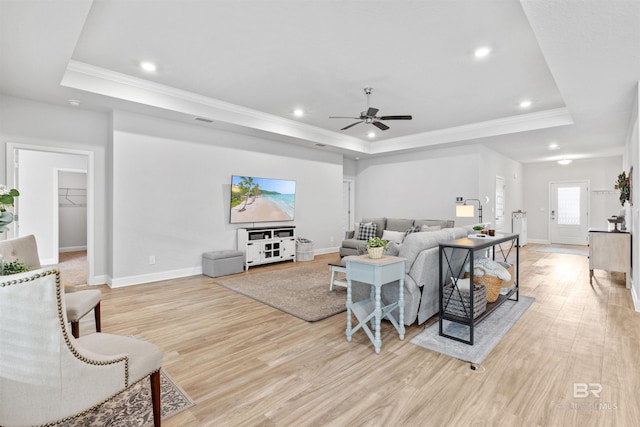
369,116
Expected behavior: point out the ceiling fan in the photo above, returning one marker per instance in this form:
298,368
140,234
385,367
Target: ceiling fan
369,116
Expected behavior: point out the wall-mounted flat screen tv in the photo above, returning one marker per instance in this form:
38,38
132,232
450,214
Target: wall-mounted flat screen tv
261,199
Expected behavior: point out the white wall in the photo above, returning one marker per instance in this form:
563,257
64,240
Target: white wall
632,159
43,125
171,187
425,184
601,173
39,197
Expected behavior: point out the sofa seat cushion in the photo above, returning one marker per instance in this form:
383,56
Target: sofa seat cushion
354,244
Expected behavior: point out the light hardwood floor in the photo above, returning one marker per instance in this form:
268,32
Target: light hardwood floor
247,364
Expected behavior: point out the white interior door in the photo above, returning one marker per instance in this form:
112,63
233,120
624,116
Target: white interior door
569,212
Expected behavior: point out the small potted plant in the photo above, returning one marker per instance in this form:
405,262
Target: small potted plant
479,229
376,246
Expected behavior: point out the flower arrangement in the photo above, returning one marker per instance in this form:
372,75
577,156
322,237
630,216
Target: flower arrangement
7,199
624,185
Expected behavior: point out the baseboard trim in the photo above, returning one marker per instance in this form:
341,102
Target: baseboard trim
153,277
72,249
326,251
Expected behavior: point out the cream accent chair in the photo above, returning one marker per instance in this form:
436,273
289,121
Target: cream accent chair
79,303
46,375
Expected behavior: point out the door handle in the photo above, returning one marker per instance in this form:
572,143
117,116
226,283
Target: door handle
553,215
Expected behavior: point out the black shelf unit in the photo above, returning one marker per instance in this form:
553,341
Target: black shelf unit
469,246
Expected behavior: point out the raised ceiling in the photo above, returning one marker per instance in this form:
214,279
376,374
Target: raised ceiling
247,65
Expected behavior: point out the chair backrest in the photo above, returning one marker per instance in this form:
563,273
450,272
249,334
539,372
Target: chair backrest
44,376
23,249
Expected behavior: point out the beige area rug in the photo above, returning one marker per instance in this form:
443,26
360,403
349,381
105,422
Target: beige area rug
302,291
132,408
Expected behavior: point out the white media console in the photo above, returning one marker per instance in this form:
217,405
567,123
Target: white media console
264,245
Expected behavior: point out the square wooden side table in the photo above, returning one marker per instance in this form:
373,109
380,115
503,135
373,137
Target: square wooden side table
377,273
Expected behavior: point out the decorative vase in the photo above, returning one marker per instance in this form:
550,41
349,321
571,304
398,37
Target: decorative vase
375,253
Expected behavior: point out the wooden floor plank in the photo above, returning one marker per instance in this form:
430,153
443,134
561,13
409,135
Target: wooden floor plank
245,363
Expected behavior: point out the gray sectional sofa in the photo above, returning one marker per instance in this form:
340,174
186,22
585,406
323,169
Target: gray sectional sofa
421,281
354,246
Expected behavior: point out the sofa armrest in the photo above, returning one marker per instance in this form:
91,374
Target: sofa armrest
349,234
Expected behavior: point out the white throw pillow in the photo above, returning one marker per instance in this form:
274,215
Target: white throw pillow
393,236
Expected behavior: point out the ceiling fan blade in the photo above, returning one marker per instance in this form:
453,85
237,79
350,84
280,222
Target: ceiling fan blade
351,125
371,112
396,118
380,125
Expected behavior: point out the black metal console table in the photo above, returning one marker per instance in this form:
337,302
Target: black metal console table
452,264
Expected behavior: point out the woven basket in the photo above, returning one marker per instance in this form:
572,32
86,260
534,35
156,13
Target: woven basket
461,307
375,253
493,284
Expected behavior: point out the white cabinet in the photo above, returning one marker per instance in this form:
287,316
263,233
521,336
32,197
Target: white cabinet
519,226
611,251
264,245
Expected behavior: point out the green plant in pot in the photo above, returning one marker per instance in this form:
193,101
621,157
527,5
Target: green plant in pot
478,228
624,185
14,267
376,246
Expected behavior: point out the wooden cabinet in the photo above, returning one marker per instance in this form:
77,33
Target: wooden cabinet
264,245
611,251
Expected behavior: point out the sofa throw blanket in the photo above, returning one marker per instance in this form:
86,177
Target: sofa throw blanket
491,267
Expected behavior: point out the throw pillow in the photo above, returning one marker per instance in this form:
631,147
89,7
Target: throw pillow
410,230
393,249
367,231
430,228
393,236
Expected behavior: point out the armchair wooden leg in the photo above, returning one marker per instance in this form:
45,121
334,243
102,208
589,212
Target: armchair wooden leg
75,329
96,311
155,397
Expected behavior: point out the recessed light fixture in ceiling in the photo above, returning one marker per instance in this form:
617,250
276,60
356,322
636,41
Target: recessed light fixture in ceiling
554,146
525,103
149,67
482,52
74,102
298,112
371,134
564,162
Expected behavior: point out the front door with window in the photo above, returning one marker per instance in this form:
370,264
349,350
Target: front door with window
569,212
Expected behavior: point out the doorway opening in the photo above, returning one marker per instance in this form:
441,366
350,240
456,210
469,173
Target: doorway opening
39,173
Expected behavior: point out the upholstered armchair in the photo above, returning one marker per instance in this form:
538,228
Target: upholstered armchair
48,376
78,302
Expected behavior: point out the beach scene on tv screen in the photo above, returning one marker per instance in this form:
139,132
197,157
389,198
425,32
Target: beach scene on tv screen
262,199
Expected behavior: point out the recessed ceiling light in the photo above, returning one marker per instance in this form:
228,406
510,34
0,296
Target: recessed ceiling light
525,104
148,66
553,146
481,52
564,162
298,112
74,102
371,134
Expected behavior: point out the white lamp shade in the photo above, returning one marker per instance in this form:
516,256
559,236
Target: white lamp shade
465,211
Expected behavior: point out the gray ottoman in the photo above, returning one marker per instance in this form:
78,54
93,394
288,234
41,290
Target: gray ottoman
221,263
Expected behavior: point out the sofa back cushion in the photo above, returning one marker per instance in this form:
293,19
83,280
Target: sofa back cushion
431,222
380,223
397,224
